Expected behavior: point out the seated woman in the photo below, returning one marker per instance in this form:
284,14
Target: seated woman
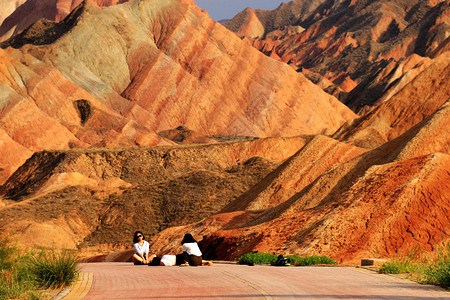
191,251
141,249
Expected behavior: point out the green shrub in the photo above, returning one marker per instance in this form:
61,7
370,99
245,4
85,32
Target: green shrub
265,258
438,271
311,260
257,258
54,270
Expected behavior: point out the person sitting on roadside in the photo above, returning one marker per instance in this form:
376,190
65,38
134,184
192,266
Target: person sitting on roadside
191,251
173,260
141,249
168,260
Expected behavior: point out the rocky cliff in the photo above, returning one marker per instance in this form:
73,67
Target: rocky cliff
344,45
389,200
116,76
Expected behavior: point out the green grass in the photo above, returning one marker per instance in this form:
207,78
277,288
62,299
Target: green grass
23,275
432,271
265,258
257,258
54,269
398,267
15,281
437,271
311,260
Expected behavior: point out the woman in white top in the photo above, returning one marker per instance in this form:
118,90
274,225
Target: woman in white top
191,251
191,254
141,249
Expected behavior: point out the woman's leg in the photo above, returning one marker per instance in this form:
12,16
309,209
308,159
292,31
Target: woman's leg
137,259
195,260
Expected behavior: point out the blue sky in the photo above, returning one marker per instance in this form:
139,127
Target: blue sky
226,9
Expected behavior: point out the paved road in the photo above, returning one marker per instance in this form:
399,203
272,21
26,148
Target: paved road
229,281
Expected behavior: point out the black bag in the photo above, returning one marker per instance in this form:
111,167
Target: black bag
283,261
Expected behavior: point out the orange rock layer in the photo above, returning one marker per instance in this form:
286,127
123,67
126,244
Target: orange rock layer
144,67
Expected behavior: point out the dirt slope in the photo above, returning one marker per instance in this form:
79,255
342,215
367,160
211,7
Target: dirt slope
316,157
101,196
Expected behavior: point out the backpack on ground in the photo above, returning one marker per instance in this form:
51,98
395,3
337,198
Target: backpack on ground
283,261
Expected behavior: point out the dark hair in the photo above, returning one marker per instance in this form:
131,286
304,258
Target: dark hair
135,237
188,238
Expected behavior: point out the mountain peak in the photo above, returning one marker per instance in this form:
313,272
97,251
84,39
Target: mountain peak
44,32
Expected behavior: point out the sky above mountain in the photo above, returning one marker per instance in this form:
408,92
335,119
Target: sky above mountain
227,9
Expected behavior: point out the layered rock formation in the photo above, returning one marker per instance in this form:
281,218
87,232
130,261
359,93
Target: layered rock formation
293,12
389,200
98,198
349,43
116,76
122,79
405,104
25,13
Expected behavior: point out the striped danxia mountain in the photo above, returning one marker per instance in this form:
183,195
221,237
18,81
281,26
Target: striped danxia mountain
343,46
117,116
119,75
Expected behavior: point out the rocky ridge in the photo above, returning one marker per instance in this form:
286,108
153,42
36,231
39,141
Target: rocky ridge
99,197
72,98
345,45
393,199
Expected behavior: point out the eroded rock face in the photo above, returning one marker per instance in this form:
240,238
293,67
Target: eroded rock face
116,76
414,96
392,199
30,11
380,182
8,7
348,43
99,197
316,157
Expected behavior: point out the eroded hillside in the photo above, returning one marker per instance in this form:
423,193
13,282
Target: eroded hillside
117,76
393,199
82,198
85,99
344,46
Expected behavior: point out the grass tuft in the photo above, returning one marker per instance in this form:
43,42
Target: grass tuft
433,271
54,269
398,267
15,281
437,271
